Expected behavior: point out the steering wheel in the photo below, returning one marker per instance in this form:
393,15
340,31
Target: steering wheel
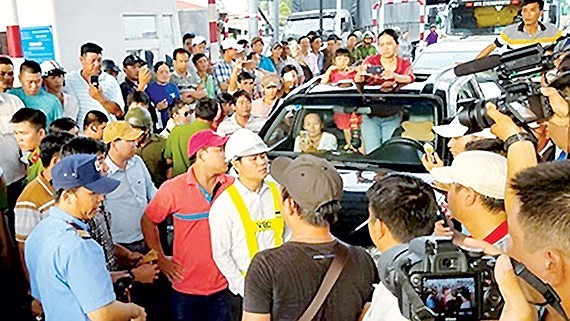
398,149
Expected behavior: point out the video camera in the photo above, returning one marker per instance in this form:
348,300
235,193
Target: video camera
521,99
434,279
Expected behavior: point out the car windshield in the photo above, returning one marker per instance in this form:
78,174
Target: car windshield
390,130
440,59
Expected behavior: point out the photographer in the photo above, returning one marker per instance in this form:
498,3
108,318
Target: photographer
476,192
529,31
401,208
537,205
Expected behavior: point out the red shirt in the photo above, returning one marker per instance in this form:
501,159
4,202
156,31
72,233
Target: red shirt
337,75
183,198
403,67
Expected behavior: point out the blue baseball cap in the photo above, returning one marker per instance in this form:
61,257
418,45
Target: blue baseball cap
82,170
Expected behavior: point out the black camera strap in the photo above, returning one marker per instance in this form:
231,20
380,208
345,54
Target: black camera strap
552,298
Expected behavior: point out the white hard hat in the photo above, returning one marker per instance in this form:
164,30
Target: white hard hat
244,142
50,67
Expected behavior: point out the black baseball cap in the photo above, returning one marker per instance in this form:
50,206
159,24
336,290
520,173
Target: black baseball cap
130,60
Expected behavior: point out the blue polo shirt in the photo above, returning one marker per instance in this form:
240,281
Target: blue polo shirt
44,101
266,64
68,274
157,93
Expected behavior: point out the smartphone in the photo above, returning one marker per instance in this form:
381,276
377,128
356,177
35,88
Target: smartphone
304,135
428,149
95,81
375,69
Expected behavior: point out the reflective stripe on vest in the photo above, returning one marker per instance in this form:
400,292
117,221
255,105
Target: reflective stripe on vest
251,227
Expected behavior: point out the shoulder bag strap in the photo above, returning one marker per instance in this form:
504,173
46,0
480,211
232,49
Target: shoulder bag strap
336,267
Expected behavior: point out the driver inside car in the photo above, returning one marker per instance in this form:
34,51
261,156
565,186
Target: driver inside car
312,139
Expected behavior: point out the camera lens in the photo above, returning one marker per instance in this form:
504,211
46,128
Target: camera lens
473,115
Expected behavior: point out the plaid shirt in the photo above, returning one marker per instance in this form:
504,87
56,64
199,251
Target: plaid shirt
222,71
100,230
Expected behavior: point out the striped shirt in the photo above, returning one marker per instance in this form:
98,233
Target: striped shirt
79,87
32,206
515,36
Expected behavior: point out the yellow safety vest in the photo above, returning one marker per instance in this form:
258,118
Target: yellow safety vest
251,227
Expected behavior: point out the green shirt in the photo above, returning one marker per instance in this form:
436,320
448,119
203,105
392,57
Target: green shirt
35,165
177,145
210,85
153,157
362,51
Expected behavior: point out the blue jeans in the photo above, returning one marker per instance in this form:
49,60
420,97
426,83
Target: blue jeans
188,307
377,130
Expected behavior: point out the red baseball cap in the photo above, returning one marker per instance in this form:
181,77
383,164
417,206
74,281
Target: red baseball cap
204,139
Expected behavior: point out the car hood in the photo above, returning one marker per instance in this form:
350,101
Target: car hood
360,181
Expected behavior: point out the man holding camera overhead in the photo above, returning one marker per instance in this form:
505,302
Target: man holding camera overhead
528,32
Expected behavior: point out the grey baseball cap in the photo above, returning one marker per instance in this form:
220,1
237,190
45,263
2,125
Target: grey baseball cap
310,180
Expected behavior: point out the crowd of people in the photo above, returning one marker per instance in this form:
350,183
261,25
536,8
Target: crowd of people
154,198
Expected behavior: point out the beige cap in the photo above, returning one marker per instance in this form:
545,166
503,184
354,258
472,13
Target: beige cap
485,172
120,130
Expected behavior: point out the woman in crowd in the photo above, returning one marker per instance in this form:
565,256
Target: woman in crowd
263,106
162,92
313,139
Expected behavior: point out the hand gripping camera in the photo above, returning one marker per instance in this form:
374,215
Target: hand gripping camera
518,73
436,280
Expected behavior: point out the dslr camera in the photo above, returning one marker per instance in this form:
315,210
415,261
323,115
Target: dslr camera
518,73
436,280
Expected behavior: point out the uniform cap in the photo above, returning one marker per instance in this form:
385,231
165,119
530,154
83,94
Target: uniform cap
198,40
82,170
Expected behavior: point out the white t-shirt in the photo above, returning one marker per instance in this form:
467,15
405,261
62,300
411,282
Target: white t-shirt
328,142
384,306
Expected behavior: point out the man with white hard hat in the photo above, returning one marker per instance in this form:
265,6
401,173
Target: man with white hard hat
246,217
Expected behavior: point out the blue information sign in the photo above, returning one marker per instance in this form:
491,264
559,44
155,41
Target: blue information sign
37,43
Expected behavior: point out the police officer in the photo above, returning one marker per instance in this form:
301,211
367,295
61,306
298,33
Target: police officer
151,146
246,217
528,32
67,267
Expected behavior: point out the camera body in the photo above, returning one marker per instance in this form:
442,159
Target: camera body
437,280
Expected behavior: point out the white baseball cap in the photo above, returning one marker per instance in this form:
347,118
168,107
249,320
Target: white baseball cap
456,129
485,172
231,43
244,142
198,40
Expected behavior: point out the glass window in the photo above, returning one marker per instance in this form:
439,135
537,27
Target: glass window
167,29
140,27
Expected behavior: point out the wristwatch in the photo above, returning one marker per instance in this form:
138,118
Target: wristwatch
520,136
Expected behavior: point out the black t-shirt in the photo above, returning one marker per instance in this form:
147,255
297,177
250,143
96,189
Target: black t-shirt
284,280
